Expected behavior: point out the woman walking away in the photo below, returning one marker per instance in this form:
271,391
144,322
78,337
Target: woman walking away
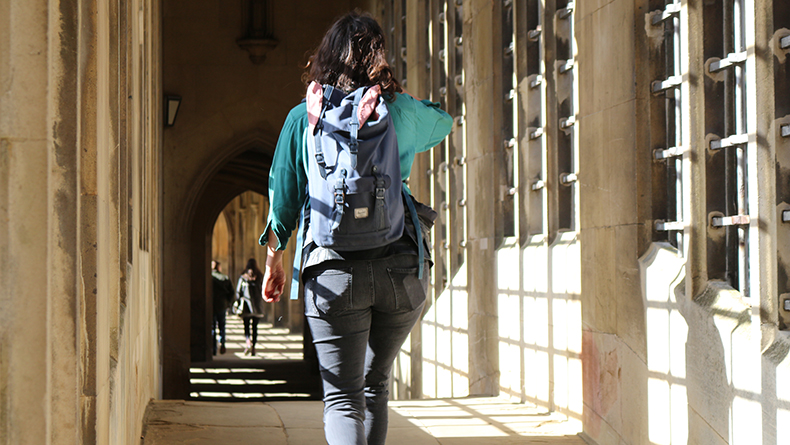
363,294
250,304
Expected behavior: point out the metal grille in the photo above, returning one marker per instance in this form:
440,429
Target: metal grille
509,158
439,164
729,141
668,88
531,76
448,160
394,18
566,91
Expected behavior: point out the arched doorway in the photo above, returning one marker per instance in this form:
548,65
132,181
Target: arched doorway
219,147
281,367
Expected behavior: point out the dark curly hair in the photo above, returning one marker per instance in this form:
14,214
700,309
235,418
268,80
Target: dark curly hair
352,55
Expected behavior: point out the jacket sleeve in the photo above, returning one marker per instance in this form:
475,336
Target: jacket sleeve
420,125
287,179
429,123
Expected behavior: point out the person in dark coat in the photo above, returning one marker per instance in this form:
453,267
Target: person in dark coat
250,303
222,294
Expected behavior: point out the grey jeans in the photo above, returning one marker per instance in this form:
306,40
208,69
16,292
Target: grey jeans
360,313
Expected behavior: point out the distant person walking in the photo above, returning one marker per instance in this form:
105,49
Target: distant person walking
222,294
250,306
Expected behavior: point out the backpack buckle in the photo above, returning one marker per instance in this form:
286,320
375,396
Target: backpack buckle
339,192
380,183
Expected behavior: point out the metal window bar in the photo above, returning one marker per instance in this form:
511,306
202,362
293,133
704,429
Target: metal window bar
659,86
566,66
669,226
732,59
731,141
735,220
671,10
668,153
740,111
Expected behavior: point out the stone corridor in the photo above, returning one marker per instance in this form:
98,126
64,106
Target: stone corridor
274,418
469,421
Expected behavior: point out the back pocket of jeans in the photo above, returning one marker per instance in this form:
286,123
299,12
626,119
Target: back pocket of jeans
409,291
328,292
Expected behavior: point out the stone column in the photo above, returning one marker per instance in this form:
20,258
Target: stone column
24,219
418,76
480,87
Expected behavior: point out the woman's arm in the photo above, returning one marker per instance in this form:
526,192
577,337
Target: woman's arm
287,180
274,278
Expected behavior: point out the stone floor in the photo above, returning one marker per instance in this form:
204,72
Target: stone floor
226,420
478,421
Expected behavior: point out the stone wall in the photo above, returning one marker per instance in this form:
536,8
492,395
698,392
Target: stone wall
617,277
80,174
678,346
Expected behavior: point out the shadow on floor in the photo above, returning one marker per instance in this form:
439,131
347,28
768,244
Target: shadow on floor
277,371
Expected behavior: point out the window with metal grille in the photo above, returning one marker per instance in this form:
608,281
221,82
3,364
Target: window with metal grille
567,101
456,148
439,161
729,99
538,187
448,159
394,18
781,103
509,158
531,114
668,106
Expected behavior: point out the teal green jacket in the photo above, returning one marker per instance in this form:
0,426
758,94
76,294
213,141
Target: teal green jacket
419,126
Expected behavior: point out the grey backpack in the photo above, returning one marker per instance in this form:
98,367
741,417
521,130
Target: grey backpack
354,181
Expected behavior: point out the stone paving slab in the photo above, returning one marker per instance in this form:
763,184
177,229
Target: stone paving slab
470,421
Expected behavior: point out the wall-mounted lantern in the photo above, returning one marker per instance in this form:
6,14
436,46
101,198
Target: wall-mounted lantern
257,39
171,109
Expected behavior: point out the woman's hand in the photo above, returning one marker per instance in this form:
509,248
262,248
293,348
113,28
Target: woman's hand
274,278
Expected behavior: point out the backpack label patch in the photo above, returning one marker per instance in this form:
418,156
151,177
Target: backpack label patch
361,213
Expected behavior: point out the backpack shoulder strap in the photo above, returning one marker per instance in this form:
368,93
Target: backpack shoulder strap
417,229
319,154
297,266
354,130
